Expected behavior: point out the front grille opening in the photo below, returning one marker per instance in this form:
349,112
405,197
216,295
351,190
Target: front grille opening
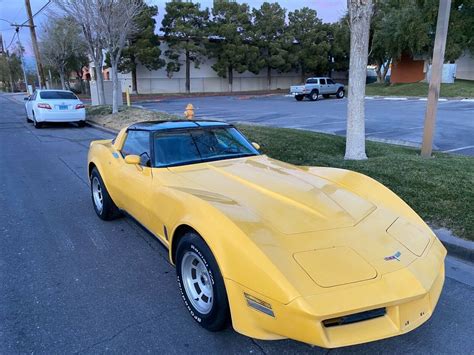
354,318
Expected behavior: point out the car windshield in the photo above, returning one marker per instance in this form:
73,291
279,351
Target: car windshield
199,145
57,95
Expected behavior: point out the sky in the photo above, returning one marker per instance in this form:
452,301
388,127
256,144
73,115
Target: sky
13,11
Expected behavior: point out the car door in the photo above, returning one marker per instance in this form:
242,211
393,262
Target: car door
332,88
322,86
134,194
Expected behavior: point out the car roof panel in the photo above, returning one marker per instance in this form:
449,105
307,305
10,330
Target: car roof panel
177,124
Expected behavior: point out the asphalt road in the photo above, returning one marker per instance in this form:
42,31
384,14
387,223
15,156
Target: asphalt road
393,120
70,282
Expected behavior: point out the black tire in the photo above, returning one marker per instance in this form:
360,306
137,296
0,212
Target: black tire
314,96
28,119
109,210
81,123
217,318
37,125
299,97
340,93
326,96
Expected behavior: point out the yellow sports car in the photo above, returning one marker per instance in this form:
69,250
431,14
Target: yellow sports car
325,256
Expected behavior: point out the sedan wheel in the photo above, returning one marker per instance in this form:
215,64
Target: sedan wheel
36,123
201,283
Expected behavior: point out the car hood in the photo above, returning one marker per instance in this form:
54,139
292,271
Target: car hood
289,199
304,222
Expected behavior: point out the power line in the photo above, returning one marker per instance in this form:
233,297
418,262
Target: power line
11,42
37,12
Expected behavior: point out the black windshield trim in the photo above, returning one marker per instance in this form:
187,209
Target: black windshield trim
208,160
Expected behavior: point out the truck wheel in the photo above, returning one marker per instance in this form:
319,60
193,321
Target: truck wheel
340,93
314,96
299,97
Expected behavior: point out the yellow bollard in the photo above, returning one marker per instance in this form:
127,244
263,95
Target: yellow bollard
189,113
127,95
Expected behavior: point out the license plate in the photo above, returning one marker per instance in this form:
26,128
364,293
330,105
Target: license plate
63,107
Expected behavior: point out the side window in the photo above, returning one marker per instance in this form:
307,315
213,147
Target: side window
138,143
312,81
322,81
330,82
33,97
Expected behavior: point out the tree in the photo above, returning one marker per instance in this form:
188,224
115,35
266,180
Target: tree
85,13
184,27
381,39
76,65
270,36
408,28
60,44
311,45
360,12
143,46
339,40
116,22
10,70
228,42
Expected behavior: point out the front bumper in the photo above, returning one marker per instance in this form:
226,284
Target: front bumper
409,297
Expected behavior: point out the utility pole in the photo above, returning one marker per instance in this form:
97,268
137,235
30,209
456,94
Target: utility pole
25,78
39,66
436,72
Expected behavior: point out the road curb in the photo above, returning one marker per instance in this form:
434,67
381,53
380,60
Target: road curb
101,128
417,98
460,248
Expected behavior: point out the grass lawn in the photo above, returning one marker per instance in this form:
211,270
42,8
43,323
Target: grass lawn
460,88
440,190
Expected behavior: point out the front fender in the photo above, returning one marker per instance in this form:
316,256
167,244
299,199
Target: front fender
238,257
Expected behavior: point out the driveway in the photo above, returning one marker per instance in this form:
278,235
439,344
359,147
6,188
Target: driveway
398,121
73,283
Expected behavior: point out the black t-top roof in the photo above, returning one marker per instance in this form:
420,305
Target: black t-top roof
178,124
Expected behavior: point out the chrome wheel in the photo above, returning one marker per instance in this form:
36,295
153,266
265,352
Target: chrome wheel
340,94
197,282
97,194
314,96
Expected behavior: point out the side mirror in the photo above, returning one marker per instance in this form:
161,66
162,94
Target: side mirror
132,159
256,145
26,98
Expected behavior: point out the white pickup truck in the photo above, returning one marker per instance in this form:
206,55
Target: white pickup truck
315,87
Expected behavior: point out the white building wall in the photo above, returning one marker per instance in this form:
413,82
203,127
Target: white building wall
204,79
465,67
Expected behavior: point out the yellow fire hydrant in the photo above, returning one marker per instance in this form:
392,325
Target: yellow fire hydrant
189,113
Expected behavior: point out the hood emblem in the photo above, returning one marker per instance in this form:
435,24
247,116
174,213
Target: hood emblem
395,256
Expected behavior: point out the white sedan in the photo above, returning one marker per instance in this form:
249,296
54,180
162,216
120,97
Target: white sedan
54,106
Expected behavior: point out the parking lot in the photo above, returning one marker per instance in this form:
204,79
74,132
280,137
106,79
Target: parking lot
397,121
71,283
